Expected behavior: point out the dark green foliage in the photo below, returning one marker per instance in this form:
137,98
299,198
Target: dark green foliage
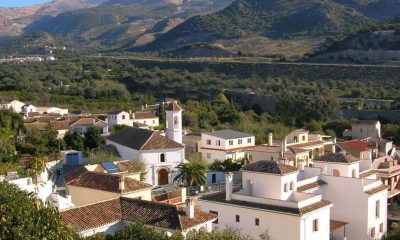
25,217
161,114
74,140
392,132
93,138
226,166
192,173
11,120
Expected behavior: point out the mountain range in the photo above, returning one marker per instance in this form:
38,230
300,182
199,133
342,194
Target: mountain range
258,27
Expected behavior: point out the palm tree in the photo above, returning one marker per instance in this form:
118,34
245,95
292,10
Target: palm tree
191,174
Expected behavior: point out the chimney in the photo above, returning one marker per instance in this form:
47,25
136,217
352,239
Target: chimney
122,184
142,107
270,139
228,185
333,145
284,145
190,207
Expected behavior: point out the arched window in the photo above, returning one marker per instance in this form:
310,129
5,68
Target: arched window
176,120
285,187
354,173
162,157
292,185
336,173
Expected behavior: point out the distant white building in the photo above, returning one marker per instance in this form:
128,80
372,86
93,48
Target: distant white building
52,110
225,144
118,118
82,124
12,104
146,118
28,108
362,129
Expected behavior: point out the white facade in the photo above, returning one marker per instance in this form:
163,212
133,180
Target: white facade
173,128
216,148
152,122
26,109
121,118
50,110
15,105
338,169
354,201
364,129
171,159
269,201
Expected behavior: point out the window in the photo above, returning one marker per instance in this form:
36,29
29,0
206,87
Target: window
208,155
304,138
353,173
214,178
230,142
162,157
249,140
291,185
377,208
208,141
285,189
240,141
295,139
154,121
144,122
315,225
381,227
175,120
218,142
216,213
123,116
272,158
237,218
373,232
257,222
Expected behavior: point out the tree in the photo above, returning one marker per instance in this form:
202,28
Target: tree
93,138
161,114
8,148
97,157
23,216
141,166
227,165
74,140
138,231
191,174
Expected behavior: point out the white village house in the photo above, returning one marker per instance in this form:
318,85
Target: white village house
225,144
161,154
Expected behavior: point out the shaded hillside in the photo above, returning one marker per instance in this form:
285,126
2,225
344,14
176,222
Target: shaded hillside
120,22
14,20
275,18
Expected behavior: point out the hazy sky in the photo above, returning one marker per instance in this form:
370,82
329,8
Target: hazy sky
20,3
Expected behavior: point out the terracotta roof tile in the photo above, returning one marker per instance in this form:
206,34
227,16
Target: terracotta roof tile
93,215
82,177
354,147
126,166
128,209
174,106
377,189
144,115
340,157
312,185
220,198
270,167
142,139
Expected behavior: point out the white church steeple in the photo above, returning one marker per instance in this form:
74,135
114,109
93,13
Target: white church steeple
174,122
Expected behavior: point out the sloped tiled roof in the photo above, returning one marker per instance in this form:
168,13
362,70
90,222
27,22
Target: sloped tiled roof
144,115
270,167
354,147
264,148
128,209
82,177
229,134
312,185
142,139
340,157
174,106
220,198
87,121
126,166
93,215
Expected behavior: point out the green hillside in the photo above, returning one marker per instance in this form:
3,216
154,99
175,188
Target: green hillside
274,18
